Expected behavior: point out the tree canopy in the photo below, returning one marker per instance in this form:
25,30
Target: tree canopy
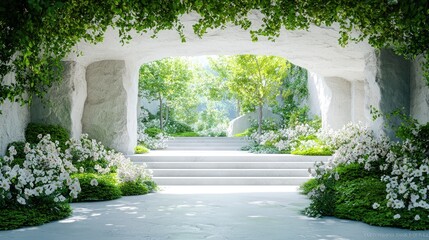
166,81
36,35
253,80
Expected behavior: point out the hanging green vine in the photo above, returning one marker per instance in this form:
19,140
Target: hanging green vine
37,34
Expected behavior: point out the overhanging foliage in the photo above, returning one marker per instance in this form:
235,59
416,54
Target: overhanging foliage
36,35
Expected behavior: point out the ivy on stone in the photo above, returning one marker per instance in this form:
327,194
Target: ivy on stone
36,35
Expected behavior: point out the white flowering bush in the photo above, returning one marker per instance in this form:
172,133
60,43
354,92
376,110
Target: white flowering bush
300,139
92,159
374,179
43,177
158,141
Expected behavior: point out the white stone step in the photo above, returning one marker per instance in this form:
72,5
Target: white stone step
229,165
230,173
221,156
207,139
226,167
207,148
230,180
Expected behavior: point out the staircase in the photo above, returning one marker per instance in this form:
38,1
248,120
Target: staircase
206,144
217,161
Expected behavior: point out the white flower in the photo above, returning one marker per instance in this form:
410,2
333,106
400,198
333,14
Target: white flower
375,205
39,136
397,216
21,200
94,182
417,217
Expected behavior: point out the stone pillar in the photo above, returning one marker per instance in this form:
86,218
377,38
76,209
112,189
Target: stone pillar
358,101
110,113
63,104
419,90
338,112
13,120
387,86
331,99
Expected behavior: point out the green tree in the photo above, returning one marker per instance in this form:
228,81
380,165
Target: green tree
253,80
166,81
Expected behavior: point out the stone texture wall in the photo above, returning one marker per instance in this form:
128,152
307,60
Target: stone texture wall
331,99
64,102
358,101
13,121
419,102
387,86
338,112
110,113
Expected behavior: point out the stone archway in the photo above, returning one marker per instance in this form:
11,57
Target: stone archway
344,82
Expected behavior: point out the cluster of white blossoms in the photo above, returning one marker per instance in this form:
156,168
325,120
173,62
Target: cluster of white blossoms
86,149
285,139
160,141
338,138
406,166
46,171
406,185
44,174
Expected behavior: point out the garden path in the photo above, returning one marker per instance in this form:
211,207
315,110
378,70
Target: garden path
217,212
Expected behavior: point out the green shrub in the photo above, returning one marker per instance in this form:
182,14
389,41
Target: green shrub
246,133
313,151
152,132
17,216
306,187
57,133
175,127
356,197
106,189
310,145
352,171
134,188
186,134
140,149
152,186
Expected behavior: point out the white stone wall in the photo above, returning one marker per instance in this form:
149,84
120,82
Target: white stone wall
419,102
64,102
13,121
358,101
110,113
338,111
243,122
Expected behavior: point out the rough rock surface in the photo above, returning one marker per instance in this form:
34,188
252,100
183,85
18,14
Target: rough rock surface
13,121
419,105
108,115
387,86
316,49
63,104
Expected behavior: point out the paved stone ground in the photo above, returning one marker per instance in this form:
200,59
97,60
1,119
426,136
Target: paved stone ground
218,213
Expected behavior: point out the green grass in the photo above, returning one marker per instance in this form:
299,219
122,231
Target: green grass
13,217
186,134
140,149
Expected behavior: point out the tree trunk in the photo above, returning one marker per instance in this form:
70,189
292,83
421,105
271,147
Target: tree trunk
161,123
238,108
167,113
260,120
